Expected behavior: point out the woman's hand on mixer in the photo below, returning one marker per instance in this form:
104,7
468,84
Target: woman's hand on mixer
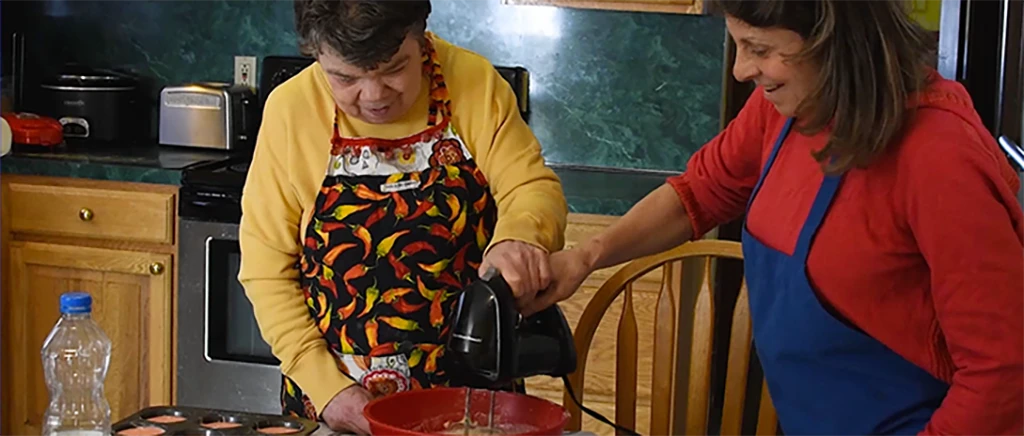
569,269
345,411
523,266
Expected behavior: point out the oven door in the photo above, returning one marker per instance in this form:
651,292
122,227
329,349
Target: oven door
223,361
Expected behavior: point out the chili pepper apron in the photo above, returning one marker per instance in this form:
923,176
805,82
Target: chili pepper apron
399,229
825,377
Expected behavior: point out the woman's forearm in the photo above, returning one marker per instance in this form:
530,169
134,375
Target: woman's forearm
656,223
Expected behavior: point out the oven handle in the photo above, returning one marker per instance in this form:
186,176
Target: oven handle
206,298
1012,150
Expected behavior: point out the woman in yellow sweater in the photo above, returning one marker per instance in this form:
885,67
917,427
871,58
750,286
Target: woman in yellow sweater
386,175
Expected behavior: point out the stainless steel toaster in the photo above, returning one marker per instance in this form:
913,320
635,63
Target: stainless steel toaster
208,115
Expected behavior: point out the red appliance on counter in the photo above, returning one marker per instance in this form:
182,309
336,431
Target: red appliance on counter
34,130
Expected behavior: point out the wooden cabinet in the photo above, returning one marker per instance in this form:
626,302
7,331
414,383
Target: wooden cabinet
600,376
111,213
113,240
694,7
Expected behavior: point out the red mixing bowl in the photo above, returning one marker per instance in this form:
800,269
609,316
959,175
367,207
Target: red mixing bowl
433,411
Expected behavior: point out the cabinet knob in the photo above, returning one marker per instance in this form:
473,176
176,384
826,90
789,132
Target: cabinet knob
156,268
85,214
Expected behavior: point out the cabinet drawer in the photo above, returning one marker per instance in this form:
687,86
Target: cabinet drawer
92,212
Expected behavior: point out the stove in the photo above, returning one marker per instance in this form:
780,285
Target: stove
212,191
223,360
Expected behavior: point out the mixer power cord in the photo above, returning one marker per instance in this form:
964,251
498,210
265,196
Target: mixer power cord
597,416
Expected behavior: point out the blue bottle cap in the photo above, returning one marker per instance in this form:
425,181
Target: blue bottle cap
75,302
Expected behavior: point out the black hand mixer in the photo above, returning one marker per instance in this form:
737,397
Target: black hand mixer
491,344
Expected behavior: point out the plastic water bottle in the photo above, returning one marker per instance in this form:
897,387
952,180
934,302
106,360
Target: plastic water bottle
76,355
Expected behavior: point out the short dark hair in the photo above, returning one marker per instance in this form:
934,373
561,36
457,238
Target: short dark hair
364,33
873,57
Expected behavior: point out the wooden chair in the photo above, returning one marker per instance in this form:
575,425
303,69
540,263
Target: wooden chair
684,406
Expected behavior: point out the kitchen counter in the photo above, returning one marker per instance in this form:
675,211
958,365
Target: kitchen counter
132,162
606,191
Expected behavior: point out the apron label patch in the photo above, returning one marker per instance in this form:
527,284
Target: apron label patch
381,375
403,185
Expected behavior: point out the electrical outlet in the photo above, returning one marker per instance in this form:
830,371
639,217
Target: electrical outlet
245,71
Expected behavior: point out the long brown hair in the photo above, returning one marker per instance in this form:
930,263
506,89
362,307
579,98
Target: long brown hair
872,58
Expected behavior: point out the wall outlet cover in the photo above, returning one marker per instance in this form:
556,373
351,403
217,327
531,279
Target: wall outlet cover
245,71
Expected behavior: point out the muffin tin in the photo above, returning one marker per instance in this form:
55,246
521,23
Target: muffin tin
194,421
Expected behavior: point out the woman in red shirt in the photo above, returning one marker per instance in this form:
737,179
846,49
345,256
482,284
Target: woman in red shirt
883,243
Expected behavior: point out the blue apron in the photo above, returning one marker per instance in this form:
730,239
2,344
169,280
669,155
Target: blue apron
825,377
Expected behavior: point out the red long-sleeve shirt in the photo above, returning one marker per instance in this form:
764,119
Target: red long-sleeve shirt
923,250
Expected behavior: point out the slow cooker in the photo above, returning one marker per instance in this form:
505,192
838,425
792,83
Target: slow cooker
94,104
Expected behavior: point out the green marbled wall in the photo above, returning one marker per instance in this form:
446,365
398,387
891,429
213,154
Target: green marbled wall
617,89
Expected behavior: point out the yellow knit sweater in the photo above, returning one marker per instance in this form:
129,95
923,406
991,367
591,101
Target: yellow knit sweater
288,167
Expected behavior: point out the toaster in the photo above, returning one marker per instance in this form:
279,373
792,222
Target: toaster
208,115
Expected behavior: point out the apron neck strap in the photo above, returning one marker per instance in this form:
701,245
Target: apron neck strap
771,160
440,102
822,202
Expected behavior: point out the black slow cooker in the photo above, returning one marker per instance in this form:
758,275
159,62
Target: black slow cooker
94,104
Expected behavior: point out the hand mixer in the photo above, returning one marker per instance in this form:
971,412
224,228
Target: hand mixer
491,344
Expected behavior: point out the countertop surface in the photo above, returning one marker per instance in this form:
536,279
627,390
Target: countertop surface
144,162
607,191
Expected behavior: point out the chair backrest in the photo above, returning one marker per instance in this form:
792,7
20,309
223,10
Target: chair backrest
737,374
682,345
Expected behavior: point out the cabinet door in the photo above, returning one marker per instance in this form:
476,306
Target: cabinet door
131,302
